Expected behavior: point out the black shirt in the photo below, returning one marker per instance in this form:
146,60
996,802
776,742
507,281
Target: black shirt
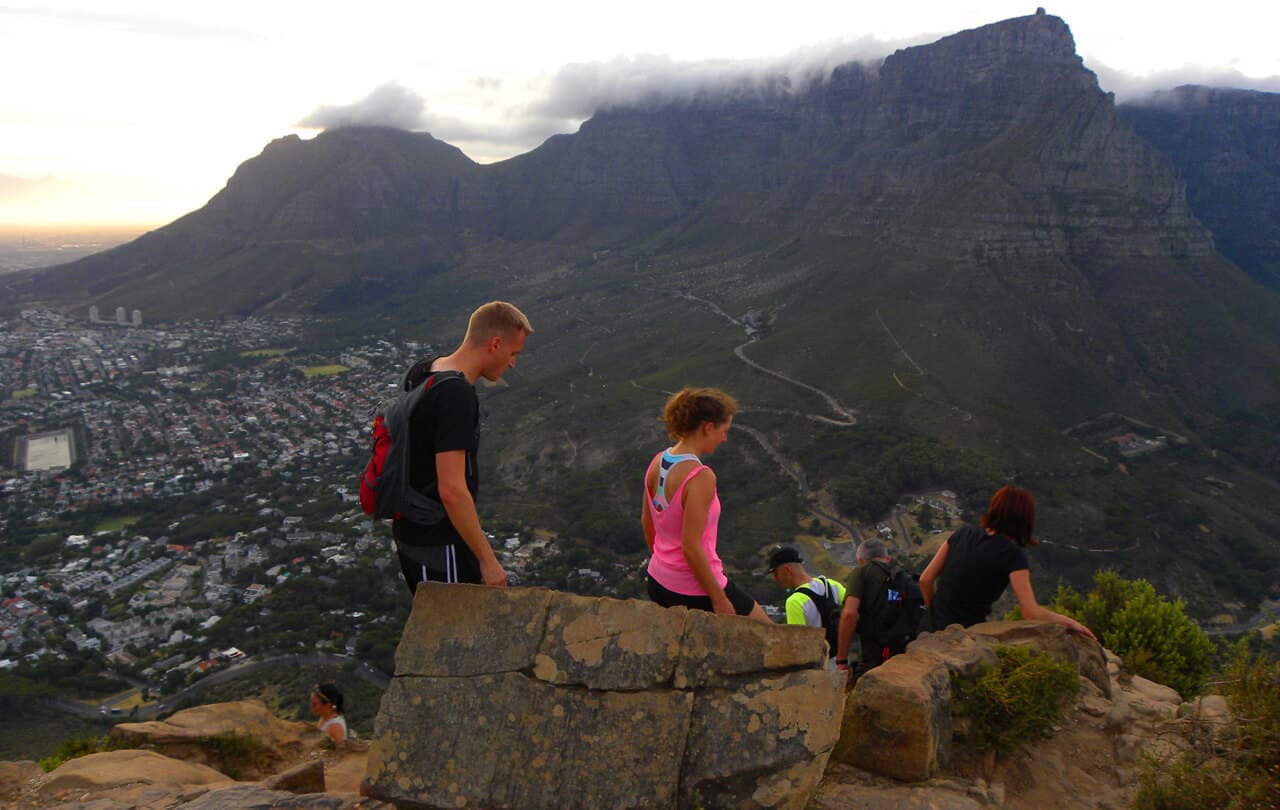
973,577
447,418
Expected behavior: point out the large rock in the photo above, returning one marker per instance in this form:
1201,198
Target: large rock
1084,654
897,720
242,738
305,777
528,698
259,797
15,775
113,769
962,654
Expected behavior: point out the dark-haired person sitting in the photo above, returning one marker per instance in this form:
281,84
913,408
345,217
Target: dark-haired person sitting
974,565
326,704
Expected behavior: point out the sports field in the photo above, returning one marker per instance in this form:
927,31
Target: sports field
47,451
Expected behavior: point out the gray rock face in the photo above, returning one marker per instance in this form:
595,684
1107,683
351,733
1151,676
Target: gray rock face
530,698
1226,143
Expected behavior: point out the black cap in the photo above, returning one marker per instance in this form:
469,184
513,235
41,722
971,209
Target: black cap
783,555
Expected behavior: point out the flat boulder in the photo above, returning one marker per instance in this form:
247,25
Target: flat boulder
102,772
530,698
242,738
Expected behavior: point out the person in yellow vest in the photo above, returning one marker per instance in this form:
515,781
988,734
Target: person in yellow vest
813,601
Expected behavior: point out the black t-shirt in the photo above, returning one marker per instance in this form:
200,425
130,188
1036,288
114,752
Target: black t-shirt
975,574
447,418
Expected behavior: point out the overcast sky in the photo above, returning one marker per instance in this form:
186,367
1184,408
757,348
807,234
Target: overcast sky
137,111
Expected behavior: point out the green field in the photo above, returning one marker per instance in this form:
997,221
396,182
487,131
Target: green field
23,393
324,371
116,523
266,353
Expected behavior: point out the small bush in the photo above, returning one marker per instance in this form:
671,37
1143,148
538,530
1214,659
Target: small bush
73,748
235,753
1247,774
1154,636
1187,784
1019,699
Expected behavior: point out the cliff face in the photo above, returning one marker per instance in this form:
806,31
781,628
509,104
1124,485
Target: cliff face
995,140
1226,144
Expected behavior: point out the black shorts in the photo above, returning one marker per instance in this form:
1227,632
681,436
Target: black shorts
449,563
742,602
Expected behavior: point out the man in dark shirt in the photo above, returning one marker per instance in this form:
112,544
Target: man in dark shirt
864,600
444,436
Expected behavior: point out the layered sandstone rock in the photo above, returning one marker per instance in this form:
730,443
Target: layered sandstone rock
113,771
202,734
531,698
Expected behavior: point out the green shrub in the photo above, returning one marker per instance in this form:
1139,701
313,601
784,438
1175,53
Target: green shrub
73,748
1019,699
1252,689
1187,784
1246,773
1152,635
234,753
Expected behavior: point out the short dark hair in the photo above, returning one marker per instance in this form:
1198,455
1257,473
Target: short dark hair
1012,513
330,694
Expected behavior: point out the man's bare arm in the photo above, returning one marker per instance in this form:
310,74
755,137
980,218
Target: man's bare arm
451,472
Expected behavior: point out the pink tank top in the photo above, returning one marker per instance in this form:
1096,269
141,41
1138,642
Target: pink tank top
667,565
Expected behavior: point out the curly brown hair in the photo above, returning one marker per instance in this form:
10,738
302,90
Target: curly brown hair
691,407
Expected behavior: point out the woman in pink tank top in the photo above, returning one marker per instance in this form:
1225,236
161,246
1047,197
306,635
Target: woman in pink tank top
681,512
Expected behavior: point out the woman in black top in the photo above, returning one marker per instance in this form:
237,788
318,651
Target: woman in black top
973,567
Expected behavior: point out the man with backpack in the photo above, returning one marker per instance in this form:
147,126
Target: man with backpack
883,607
443,438
814,601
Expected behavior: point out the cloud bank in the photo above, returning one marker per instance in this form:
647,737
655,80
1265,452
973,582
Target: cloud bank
1131,89
389,105
579,90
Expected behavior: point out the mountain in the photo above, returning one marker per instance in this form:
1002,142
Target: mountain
965,247
1226,143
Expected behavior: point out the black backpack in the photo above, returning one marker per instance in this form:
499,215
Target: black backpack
828,610
384,487
899,621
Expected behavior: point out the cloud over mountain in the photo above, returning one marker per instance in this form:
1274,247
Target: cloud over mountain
389,105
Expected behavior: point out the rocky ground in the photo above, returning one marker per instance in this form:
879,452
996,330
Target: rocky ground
1089,763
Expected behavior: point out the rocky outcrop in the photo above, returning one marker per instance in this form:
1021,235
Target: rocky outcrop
897,720
126,773
14,777
1090,761
242,737
532,698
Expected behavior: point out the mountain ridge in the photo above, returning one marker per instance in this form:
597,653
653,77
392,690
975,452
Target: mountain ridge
967,244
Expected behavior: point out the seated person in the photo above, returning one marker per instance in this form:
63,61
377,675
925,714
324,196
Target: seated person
326,704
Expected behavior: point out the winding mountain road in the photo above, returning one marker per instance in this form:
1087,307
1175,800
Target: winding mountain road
844,418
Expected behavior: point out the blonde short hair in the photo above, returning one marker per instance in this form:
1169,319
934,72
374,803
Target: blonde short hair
496,318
